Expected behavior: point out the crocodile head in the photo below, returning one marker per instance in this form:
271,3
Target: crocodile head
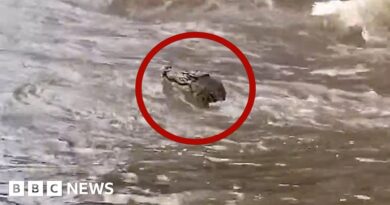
197,86
212,90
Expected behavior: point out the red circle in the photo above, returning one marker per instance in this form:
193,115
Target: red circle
196,141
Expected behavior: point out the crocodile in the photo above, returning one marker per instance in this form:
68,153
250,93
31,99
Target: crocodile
199,88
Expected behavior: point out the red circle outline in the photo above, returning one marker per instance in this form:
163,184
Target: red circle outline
196,141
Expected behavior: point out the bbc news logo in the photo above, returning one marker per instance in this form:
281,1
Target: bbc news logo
56,188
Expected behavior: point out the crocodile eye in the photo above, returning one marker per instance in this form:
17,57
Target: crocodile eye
212,98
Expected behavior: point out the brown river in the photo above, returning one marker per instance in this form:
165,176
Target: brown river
318,133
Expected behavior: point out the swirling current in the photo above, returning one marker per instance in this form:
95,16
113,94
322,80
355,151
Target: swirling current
318,132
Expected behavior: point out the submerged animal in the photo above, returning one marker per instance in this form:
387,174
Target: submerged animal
198,87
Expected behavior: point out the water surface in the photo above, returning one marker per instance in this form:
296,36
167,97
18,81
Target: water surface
318,132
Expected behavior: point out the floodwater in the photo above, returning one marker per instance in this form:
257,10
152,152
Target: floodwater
318,132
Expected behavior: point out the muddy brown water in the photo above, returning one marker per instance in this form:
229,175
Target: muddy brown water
318,132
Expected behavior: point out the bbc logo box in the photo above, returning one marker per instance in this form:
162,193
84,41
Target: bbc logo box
34,188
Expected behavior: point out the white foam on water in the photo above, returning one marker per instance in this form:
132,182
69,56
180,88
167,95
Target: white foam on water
373,16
